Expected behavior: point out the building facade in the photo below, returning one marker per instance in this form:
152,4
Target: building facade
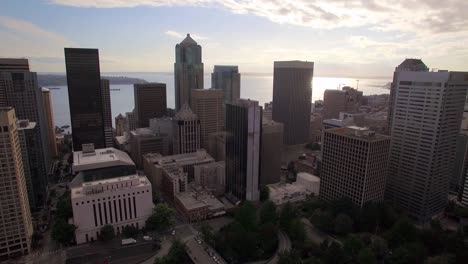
131,121
208,105
25,96
150,102
271,151
50,122
186,131
346,100
188,71
243,132
426,115
119,125
143,141
217,145
16,229
227,79
354,165
211,176
292,95
85,97
107,113
27,134
107,190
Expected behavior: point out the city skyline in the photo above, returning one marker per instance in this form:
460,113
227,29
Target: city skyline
331,34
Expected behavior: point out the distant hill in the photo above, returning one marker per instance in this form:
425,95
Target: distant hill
59,80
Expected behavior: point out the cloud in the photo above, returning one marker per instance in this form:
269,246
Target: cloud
21,38
179,35
385,15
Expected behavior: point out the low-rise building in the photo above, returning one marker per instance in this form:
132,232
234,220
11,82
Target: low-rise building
144,140
107,191
310,182
211,176
287,193
195,205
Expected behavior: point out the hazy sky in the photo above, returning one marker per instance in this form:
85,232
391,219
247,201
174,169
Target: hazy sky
343,37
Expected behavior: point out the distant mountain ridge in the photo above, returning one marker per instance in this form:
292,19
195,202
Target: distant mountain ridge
60,80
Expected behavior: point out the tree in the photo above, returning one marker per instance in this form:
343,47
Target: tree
402,232
268,213
161,219
264,193
369,217
288,213
379,247
344,205
64,207
177,254
352,246
130,231
207,232
246,216
297,233
343,224
290,257
334,254
63,232
107,233
323,220
366,256
268,239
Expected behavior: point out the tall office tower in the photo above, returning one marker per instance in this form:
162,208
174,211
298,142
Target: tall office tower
119,125
268,111
271,151
50,122
25,96
107,113
208,105
227,79
346,100
186,131
354,165
150,102
10,65
188,71
16,229
426,115
292,95
85,97
131,121
243,132
27,134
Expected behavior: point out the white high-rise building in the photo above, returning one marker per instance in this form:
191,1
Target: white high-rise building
425,115
107,190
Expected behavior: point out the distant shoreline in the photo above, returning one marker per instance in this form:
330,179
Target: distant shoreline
61,80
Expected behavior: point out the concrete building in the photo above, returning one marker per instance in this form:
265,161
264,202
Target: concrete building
107,113
186,131
211,176
188,71
315,128
309,181
354,165
271,151
50,122
107,191
85,97
16,229
27,134
217,145
196,206
227,79
144,140
346,100
243,132
208,105
425,121
460,164
153,163
150,102
119,125
131,121
268,111
464,192
292,95
10,65
287,193
25,96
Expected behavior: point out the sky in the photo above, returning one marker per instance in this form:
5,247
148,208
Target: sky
345,38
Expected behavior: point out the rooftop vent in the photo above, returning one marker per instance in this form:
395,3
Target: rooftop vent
88,148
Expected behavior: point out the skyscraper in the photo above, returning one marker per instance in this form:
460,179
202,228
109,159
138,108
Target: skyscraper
426,113
85,97
150,102
107,113
186,131
354,165
16,229
346,100
50,122
227,79
243,129
208,105
120,121
292,95
271,151
25,96
188,71
27,137
10,65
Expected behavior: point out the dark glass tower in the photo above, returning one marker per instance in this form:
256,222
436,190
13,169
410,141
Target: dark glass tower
85,97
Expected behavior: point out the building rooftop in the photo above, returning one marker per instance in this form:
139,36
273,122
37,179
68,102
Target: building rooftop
294,64
99,158
185,113
193,200
357,132
195,157
308,176
25,124
80,188
221,68
412,65
188,41
173,170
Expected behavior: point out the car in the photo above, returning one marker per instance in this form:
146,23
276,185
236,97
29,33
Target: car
147,238
173,232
